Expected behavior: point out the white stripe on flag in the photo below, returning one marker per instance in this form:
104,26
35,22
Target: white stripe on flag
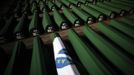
63,61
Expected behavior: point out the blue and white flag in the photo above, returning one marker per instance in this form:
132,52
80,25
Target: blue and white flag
63,61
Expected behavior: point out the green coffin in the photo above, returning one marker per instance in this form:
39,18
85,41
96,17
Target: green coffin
9,68
118,5
122,27
34,22
20,25
116,38
107,12
70,16
126,1
83,15
98,15
46,21
127,21
117,10
58,4
123,3
59,19
38,66
50,5
121,34
76,2
86,56
110,52
42,5
66,2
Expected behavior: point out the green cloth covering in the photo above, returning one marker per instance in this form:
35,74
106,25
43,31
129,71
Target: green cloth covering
83,15
91,11
38,66
123,3
66,2
69,15
121,34
103,5
9,68
46,21
58,18
86,56
127,21
116,38
126,1
34,22
122,27
110,52
83,1
76,2
118,5
42,5
107,12
58,4
20,25
50,5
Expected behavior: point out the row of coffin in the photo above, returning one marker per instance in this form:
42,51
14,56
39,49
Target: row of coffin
109,52
85,13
